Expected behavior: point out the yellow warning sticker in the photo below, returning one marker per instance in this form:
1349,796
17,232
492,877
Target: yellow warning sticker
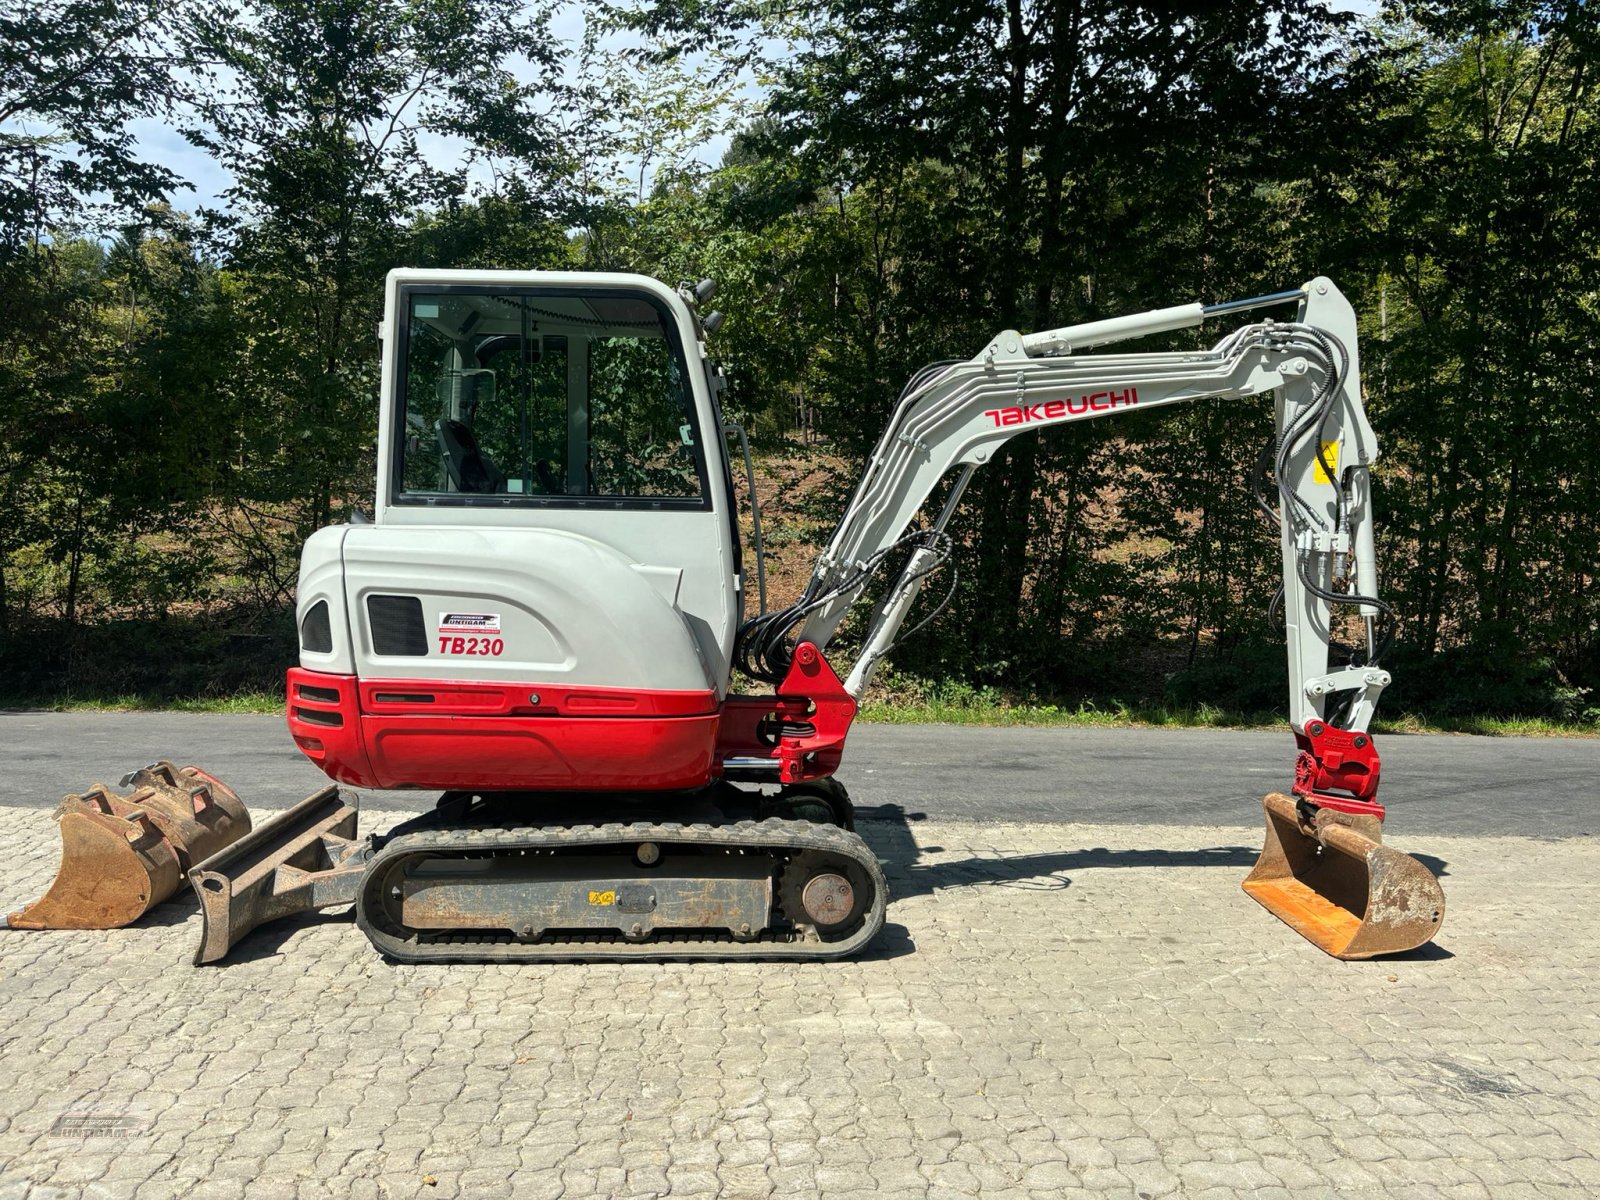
1330,454
602,899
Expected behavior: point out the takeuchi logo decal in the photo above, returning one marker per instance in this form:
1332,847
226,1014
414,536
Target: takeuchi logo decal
1054,410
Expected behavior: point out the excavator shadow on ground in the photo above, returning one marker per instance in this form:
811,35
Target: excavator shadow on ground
887,828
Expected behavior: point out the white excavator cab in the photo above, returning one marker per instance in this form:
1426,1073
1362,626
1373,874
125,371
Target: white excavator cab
553,536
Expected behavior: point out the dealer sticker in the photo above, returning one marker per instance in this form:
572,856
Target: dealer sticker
470,633
469,622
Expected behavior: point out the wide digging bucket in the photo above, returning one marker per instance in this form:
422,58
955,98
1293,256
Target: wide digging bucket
121,855
1340,889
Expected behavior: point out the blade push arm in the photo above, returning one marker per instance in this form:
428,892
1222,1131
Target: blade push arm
954,417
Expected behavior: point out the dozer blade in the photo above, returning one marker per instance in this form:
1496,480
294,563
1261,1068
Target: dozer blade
306,858
113,870
1340,889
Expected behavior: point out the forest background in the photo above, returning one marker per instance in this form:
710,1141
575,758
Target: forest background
188,383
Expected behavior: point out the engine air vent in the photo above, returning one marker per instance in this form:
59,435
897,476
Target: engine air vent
315,634
312,716
397,627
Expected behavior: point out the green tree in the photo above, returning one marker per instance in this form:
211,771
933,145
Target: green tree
125,458
74,74
1481,313
325,119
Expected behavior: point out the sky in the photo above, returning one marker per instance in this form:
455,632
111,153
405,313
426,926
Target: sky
159,142
208,180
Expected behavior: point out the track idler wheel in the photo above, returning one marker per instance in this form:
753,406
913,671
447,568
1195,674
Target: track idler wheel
121,855
1328,878
826,892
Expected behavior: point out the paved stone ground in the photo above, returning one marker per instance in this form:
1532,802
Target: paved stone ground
1055,1010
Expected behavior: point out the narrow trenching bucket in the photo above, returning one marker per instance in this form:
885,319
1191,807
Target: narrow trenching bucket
1339,888
121,855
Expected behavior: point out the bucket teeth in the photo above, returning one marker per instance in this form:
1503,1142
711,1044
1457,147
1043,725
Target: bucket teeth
1341,889
121,855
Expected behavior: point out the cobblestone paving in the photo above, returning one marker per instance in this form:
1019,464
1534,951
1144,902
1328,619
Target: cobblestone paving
1054,1011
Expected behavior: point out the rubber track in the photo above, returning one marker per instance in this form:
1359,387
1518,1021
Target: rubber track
773,836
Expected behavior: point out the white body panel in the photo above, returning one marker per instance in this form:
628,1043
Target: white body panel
322,581
568,609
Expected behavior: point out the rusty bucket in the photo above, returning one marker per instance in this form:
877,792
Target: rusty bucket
121,855
1336,885
197,811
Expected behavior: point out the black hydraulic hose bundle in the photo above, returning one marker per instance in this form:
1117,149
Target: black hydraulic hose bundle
762,649
1330,354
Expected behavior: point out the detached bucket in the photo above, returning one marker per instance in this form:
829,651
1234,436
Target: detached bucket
123,855
199,814
1341,890
113,870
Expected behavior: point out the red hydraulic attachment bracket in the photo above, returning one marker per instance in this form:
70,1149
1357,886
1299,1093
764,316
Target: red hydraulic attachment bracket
1340,759
803,726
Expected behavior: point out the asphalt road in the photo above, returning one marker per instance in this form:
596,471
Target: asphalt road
1537,787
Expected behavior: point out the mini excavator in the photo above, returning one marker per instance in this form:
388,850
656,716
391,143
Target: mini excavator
542,617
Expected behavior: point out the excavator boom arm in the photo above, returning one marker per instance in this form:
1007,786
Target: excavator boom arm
954,417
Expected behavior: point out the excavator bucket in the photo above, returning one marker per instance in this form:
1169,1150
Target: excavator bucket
198,813
1338,887
121,855
113,870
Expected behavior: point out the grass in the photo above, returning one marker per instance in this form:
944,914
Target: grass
937,711
1156,716
243,703
969,709
1487,726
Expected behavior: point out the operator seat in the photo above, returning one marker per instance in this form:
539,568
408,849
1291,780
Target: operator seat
471,470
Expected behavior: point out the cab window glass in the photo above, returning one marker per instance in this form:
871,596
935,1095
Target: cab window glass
506,393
